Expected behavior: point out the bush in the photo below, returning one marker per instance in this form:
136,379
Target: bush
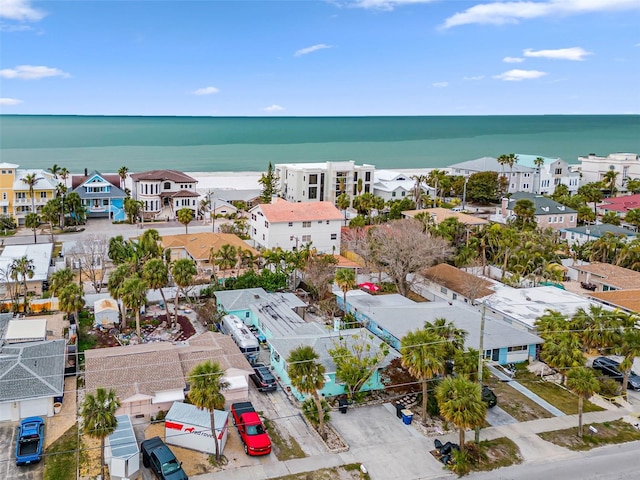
310,411
7,223
609,387
461,464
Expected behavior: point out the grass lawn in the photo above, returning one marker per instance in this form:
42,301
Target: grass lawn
617,431
515,403
562,399
497,453
60,460
350,471
284,448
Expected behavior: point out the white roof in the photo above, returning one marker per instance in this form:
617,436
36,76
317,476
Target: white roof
26,330
45,181
186,413
39,253
105,304
123,441
8,165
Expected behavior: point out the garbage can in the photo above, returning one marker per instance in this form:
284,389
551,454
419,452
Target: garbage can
342,405
399,408
407,416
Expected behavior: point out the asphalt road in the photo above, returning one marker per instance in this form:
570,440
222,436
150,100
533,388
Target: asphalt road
8,468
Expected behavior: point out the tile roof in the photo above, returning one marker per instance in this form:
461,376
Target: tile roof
466,284
625,299
439,215
619,277
181,193
198,245
283,211
162,175
621,204
32,370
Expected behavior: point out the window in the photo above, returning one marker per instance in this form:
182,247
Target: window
167,185
4,195
306,224
313,193
328,222
334,236
393,194
558,171
555,219
367,176
266,224
454,296
313,179
306,238
291,224
403,193
556,181
263,236
561,219
247,314
549,219
443,290
319,222
43,194
526,185
367,188
519,348
291,238
571,218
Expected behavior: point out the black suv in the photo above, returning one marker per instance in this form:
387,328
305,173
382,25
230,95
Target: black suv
263,378
611,368
489,397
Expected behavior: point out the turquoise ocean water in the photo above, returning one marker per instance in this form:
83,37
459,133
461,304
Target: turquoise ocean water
195,144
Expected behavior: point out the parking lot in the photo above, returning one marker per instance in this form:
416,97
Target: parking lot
8,468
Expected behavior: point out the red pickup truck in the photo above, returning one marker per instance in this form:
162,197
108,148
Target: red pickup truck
251,429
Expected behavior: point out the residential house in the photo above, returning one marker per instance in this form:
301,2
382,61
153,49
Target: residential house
585,233
553,172
593,167
605,277
391,185
100,196
449,283
323,182
293,225
391,319
164,192
439,215
239,302
521,178
40,256
548,213
15,195
148,378
627,300
32,378
619,205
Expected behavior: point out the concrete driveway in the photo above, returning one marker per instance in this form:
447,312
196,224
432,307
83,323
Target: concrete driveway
374,432
8,468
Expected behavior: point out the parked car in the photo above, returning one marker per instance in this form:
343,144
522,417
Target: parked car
254,436
489,397
263,378
611,368
30,440
161,460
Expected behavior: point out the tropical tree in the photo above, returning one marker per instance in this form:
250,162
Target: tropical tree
20,270
538,162
114,285
183,272
452,337
225,258
307,376
185,215
30,180
51,214
206,382
346,280
423,356
59,280
71,299
54,170
122,173
132,209
435,179
583,382
632,217
460,402
32,221
611,218
98,413
591,193
483,187
156,275
562,351
417,192
74,203
525,212
633,185
343,202
64,174
134,296
629,348
599,329
609,180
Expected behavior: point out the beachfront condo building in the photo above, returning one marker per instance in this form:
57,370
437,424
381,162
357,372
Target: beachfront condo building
625,165
291,226
164,192
323,182
23,191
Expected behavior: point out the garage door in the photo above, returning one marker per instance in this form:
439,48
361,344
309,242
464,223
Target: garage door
34,408
5,412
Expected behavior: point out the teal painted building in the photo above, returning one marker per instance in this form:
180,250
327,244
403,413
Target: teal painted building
100,197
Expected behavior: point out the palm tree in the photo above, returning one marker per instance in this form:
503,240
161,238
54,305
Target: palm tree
453,338
417,192
51,214
98,413
182,271
460,402
134,296
609,179
156,273
206,384
71,299
185,215
59,280
307,376
122,173
31,179
583,382
343,202
600,328
64,174
22,268
132,209
423,356
74,203
629,348
114,285
346,280
562,351
54,170
591,193
224,258
32,221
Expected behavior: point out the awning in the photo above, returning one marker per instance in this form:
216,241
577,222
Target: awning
168,396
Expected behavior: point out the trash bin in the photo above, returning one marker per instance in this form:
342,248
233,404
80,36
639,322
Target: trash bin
407,416
342,405
399,408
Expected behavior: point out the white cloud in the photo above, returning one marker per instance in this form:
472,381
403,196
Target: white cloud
513,60
477,77
313,48
9,101
31,72
205,91
273,108
385,4
20,10
573,53
518,75
6,27
440,84
500,13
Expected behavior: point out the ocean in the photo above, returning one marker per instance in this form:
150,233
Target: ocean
218,144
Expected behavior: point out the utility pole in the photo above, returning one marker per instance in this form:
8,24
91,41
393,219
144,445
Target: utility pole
481,357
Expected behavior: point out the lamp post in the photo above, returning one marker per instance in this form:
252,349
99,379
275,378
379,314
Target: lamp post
464,192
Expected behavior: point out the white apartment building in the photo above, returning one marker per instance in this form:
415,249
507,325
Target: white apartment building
391,185
164,192
553,172
291,225
323,182
594,167
521,178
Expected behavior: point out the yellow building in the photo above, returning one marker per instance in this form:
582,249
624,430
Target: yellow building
16,197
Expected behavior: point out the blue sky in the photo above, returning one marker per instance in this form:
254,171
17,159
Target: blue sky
324,58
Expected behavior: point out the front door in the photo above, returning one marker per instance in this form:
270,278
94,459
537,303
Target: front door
495,354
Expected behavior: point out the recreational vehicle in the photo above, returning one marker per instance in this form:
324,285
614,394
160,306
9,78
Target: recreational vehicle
246,341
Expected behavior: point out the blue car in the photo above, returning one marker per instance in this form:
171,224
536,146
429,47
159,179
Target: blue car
30,441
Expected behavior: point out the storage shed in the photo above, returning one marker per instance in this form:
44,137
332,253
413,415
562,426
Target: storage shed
190,427
106,312
122,454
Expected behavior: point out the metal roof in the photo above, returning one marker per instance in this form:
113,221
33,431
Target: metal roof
123,441
186,413
26,330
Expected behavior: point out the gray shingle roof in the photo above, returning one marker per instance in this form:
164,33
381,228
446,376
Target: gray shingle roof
114,191
544,205
597,231
489,164
240,299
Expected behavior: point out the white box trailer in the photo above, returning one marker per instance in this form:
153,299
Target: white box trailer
190,427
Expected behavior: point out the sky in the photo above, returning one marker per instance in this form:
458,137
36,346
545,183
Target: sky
319,58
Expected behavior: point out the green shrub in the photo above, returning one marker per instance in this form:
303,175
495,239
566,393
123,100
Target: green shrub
310,411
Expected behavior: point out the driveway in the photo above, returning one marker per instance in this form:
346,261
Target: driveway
8,468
